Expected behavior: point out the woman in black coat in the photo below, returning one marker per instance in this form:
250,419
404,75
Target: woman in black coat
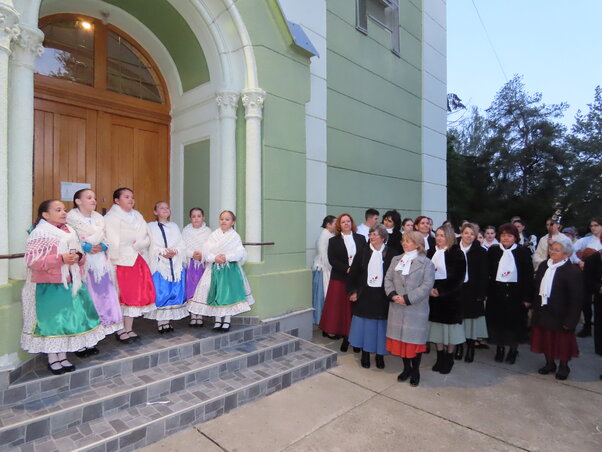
370,304
556,309
510,293
343,248
474,290
592,278
392,221
445,316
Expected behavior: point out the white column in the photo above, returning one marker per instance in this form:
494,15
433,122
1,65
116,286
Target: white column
9,30
227,102
253,99
25,49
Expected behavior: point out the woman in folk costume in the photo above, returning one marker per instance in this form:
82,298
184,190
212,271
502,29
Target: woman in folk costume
167,255
445,316
224,290
128,240
195,235
321,268
408,283
58,312
343,248
90,227
556,310
509,294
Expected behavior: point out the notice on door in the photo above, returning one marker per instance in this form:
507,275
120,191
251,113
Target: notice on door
68,189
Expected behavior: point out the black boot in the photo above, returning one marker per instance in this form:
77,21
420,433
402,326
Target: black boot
415,376
549,367
586,331
356,349
365,361
512,354
459,352
499,354
448,363
563,371
428,348
407,370
345,344
439,362
380,361
469,351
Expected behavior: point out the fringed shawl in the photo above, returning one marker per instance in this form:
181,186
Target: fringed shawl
194,239
160,264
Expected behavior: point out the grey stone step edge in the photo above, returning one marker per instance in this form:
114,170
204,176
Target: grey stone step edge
89,406
164,422
55,384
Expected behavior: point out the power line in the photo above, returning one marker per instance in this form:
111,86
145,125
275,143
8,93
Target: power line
490,41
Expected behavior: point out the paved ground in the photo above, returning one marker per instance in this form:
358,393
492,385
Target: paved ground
483,406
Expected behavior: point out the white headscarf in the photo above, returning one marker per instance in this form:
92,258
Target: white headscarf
465,250
350,245
506,270
405,262
375,267
545,288
438,261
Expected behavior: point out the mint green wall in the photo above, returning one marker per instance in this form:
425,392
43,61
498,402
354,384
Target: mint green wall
172,30
11,319
281,283
196,178
374,113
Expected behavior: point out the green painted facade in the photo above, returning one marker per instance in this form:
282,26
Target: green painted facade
196,178
374,113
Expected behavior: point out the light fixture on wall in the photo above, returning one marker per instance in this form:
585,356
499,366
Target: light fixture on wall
85,25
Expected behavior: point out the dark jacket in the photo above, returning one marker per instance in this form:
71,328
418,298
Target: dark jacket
447,307
337,255
394,243
372,302
474,291
592,274
564,304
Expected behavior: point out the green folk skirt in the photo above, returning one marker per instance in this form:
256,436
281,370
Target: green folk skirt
227,287
60,313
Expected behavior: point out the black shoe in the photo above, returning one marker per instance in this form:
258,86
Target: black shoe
563,372
428,348
415,376
69,368
356,349
469,357
512,354
134,338
225,327
548,368
161,329
59,371
125,340
380,361
169,328
407,370
586,331
448,363
459,352
93,351
82,353
365,361
217,326
345,345
439,362
499,354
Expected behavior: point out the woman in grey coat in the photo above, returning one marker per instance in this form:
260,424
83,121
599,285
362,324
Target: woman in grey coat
408,283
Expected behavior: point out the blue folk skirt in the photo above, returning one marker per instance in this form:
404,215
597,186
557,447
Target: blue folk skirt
317,294
369,334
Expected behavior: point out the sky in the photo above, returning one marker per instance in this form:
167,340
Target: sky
555,44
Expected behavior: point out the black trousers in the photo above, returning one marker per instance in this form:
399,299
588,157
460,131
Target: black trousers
598,324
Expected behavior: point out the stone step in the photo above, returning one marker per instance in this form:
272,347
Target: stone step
51,414
164,414
33,380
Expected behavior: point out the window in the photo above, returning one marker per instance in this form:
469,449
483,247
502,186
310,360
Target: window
70,54
385,13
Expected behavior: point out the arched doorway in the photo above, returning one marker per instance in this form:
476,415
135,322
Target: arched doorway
101,114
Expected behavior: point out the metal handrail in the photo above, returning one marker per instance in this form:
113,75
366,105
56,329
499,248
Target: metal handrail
12,256
258,243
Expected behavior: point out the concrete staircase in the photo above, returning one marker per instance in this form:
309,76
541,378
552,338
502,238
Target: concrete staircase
129,396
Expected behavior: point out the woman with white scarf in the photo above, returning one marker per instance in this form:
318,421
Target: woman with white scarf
90,227
370,304
167,254
58,312
343,249
445,317
128,240
408,283
224,290
195,235
556,310
321,267
509,294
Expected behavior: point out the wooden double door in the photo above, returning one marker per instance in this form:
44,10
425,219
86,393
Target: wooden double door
86,144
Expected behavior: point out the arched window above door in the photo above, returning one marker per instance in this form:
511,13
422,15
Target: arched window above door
86,51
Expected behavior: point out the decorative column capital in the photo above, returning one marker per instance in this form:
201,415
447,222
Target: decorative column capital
227,103
9,26
27,47
253,100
